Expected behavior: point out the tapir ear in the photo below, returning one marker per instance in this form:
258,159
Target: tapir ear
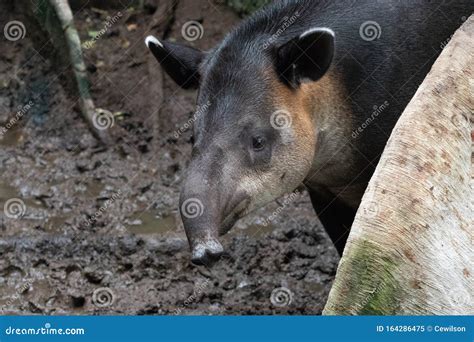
181,62
306,57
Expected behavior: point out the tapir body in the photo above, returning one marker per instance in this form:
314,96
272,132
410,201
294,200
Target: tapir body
301,92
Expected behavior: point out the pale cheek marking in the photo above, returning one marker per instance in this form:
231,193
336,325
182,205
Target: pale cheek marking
261,188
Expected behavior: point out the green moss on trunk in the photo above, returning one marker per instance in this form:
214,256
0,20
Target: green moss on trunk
370,287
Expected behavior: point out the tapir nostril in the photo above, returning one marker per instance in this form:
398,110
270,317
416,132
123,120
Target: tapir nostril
207,253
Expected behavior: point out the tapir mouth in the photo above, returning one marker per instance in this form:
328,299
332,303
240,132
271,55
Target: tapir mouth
239,211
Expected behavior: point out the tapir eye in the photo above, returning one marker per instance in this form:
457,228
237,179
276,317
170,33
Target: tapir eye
258,143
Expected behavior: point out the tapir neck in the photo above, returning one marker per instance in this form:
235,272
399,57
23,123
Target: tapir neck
327,103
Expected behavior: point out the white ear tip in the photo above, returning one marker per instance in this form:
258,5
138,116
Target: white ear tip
318,29
151,39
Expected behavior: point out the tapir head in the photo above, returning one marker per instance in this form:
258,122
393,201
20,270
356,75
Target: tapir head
254,136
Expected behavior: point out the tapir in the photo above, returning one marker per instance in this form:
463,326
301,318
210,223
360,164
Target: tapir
301,92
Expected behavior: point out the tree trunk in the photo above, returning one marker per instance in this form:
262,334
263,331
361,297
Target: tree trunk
160,23
55,16
411,250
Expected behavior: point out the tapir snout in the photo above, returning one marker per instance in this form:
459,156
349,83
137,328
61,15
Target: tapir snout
206,252
209,205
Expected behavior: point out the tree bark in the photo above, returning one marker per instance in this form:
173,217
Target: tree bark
411,250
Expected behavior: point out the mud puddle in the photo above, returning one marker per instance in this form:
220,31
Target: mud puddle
149,223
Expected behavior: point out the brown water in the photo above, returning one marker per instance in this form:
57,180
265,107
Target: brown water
150,223
12,137
254,230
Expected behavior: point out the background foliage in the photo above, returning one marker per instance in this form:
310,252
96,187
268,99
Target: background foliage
245,7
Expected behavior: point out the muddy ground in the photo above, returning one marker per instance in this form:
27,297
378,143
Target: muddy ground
100,230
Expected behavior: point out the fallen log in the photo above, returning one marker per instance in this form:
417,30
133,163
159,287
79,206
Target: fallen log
411,246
